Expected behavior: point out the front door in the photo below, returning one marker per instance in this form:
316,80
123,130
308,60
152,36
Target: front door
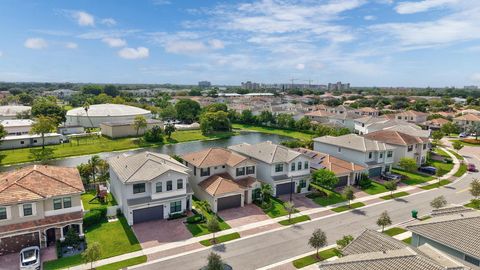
51,237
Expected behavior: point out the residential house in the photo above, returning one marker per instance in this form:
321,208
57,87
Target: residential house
222,177
435,124
346,119
455,234
466,121
348,173
319,116
341,109
405,145
17,126
377,156
361,125
366,125
412,116
38,205
368,111
470,111
286,170
149,186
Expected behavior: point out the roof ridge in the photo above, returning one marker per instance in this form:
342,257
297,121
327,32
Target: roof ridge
54,178
206,155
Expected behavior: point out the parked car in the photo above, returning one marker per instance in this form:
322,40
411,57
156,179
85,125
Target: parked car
428,169
463,135
390,176
30,258
471,167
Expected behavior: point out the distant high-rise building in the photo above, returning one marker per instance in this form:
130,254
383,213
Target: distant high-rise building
204,84
250,85
470,87
338,86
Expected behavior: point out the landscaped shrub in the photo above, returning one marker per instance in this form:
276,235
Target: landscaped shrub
365,182
176,216
95,216
195,219
58,248
448,160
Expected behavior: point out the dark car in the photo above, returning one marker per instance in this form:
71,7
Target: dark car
390,176
471,167
428,169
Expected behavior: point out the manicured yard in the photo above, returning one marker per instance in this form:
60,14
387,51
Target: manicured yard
442,153
283,132
474,205
220,239
375,188
200,229
87,196
460,157
123,264
436,185
115,238
294,220
461,170
325,197
311,259
469,142
346,207
394,231
413,178
276,208
442,168
408,240
394,195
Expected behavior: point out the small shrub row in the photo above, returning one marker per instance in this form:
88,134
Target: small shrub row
196,219
94,216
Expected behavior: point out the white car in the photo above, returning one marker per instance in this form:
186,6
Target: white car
30,258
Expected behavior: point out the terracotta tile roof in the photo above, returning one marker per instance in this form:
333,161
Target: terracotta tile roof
368,109
438,122
394,137
69,217
468,117
411,113
214,157
38,182
331,163
219,184
319,113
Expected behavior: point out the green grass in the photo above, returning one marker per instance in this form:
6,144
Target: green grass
283,132
442,167
436,185
394,231
424,218
123,264
115,238
442,153
276,208
331,198
87,146
467,143
201,228
473,204
294,220
375,188
87,196
408,240
461,170
346,207
395,195
311,259
460,157
220,239
413,178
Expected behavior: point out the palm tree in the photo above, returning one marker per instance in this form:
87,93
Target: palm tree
86,107
94,162
266,191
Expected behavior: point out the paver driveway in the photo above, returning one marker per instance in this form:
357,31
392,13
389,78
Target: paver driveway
301,202
158,232
239,216
12,261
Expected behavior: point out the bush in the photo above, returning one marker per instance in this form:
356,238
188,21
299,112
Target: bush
195,219
364,182
58,248
95,216
176,216
448,160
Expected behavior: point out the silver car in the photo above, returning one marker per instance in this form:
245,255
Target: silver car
30,259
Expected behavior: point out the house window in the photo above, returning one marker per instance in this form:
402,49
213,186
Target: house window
381,155
205,171
27,210
57,204
3,213
175,206
424,146
370,154
158,187
194,170
299,165
410,148
223,166
138,188
303,183
34,141
292,167
67,202
22,142
339,149
278,167
305,165
389,154
169,185
250,169
179,184
240,171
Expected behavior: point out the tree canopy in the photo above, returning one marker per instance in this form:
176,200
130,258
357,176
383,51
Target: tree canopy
187,110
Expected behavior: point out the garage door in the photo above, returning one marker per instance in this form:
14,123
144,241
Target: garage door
342,181
229,202
148,214
375,172
16,243
286,188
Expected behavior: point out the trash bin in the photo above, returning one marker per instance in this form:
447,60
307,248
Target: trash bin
414,213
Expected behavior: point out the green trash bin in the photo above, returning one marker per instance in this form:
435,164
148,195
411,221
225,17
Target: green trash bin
414,213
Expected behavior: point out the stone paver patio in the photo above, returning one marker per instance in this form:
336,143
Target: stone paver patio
154,233
239,216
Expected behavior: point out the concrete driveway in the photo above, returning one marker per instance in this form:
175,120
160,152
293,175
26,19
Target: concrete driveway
158,232
301,202
239,216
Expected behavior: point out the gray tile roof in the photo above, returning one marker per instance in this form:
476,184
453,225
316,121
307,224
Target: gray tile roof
458,231
144,166
267,152
355,142
372,241
449,210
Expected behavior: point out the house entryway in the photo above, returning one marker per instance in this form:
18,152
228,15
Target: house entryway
51,237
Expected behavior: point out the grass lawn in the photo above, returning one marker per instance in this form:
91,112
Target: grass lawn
413,178
123,264
87,196
283,132
395,195
474,205
333,198
311,259
220,239
442,153
444,168
408,240
276,209
87,146
375,188
115,238
200,229
467,143
394,231
294,220
461,170
346,208
436,185
460,157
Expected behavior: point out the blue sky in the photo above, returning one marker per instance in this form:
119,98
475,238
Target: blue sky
364,42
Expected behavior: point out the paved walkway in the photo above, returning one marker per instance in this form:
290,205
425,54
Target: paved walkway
248,230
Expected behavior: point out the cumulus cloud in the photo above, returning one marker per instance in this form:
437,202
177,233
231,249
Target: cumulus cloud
35,43
185,46
83,18
422,6
475,77
71,45
134,53
216,44
109,22
369,18
114,42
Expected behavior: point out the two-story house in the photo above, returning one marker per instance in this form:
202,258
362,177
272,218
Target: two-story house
412,116
38,205
149,186
222,177
465,121
406,146
286,170
377,156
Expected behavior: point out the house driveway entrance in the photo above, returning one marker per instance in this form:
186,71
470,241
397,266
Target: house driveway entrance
12,261
158,232
300,202
239,216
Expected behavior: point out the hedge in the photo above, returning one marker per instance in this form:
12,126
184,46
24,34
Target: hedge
95,216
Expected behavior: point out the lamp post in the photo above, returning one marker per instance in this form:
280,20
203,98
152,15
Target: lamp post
291,188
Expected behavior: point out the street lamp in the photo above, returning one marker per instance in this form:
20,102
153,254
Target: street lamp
291,188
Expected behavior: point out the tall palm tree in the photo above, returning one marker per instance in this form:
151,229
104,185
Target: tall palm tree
94,162
86,107
266,191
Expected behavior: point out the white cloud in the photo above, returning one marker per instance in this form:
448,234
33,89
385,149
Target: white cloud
185,46
300,66
109,22
134,53
101,34
114,42
475,77
83,18
161,2
35,43
369,18
422,6
71,45
216,44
